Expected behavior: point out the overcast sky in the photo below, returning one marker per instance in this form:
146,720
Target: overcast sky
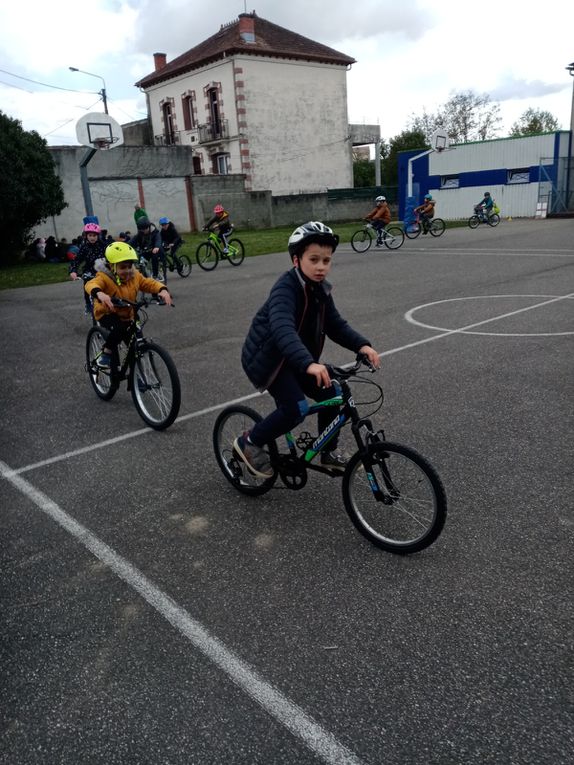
410,55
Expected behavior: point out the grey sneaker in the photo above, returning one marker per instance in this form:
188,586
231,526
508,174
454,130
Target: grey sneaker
255,459
333,460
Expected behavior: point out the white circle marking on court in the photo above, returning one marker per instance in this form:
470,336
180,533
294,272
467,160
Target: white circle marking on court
409,316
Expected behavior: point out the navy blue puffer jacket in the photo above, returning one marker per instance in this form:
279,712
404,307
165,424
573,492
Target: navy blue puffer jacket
274,336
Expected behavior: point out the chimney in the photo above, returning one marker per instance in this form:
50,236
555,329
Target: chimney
159,61
247,27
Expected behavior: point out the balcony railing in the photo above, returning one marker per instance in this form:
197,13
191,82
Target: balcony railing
213,132
174,139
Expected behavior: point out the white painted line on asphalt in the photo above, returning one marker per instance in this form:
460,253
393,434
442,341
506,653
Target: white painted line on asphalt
293,717
409,315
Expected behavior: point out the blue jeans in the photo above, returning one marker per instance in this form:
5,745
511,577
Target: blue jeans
289,391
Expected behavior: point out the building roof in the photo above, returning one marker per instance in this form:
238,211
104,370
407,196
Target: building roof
269,40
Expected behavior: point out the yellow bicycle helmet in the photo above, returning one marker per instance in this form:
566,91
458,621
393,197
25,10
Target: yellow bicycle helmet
119,252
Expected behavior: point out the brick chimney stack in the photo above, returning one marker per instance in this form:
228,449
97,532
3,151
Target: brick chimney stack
247,27
159,61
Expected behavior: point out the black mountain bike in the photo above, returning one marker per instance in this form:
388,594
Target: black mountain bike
392,494
175,262
148,368
432,226
144,264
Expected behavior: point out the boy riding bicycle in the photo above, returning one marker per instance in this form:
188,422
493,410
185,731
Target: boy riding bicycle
426,212
282,349
220,223
380,216
119,280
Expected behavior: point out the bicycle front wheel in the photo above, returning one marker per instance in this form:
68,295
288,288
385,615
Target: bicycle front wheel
236,252
399,505
102,381
393,237
474,221
361,240
183,265
493,220
437,227
156,391
207,256
412,230
230,423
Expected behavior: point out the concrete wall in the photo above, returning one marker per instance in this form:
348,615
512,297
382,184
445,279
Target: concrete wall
160,178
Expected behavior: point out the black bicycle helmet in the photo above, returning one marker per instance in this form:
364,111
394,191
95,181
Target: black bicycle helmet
143,223
313,231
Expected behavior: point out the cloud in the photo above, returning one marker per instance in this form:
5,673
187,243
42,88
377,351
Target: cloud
512,88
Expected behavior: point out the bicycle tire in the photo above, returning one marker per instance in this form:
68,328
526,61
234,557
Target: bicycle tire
361,240
412,230
393,237
474,221
235,258
207,256
155,386
183,265
102,381
412,510
437,227
230,423
494,219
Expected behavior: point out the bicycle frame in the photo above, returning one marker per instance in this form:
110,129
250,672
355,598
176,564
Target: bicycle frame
348,414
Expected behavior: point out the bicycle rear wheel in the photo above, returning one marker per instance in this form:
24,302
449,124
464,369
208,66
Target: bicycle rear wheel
101,379
493,220
207,256
183,265
412,230
393,237
230,423
437,227
236,252
361,240
401,506
155,386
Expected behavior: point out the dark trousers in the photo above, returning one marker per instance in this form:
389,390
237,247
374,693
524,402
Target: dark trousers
119,330
289,391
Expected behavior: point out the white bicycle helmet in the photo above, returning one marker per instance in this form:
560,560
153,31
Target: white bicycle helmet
313,231
378,200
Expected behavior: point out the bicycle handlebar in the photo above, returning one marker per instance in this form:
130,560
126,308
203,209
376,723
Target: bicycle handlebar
125,303
350,370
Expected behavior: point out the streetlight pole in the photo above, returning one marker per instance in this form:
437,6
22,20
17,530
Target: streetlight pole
570,171
102,92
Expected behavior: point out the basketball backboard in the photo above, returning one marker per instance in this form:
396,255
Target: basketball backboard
99,131
440,140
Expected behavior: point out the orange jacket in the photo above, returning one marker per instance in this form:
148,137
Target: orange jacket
381,212
104,282
427,208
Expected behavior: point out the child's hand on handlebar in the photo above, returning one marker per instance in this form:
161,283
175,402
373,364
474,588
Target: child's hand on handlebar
320,373
371,355
165,296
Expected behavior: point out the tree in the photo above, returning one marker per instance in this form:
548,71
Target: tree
408,139
363,173
466,116
30,190
534,121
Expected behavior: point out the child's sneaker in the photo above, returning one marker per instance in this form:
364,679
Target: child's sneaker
255,459
104,361
333,460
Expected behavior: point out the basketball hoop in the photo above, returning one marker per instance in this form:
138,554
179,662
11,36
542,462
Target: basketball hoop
102,143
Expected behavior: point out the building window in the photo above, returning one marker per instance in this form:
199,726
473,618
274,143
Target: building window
169,132
214,113
188,116
221,164
449,182
521,175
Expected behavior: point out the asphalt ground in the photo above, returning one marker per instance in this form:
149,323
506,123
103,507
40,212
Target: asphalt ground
151,614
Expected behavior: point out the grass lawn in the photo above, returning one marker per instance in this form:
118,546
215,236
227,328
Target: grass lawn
256,242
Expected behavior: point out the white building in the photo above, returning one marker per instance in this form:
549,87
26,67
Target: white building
259,100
